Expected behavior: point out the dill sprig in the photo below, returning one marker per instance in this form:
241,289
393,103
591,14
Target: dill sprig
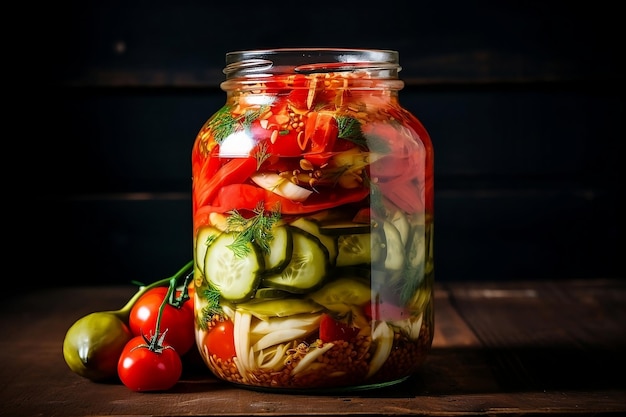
250,115
213,307
410,284
224,124
256,229
261,154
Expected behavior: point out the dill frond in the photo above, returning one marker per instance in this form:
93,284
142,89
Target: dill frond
213,307
256,229
224,124
261,154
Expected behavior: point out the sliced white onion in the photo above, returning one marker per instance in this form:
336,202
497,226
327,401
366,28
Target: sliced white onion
301,321
311,356
279,336
383,336
410,327
281,186
273,358
228,312
241,332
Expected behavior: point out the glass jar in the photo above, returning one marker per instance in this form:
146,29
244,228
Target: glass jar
313,224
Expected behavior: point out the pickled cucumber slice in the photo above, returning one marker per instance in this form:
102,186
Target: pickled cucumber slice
360,248
416,249
307,267
264,309
235,276
205,236
354,249
313,228
401,222
394,259
271,293
281,247
343,291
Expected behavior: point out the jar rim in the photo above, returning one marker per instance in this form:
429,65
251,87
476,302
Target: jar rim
258,62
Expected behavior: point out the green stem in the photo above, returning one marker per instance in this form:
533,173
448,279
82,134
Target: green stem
184,294
157,339
124,312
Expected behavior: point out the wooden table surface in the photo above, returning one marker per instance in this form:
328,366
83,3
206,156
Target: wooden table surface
505,348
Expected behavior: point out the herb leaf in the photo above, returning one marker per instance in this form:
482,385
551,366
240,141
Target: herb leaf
257,229
224,123
261,154
213,307
350,129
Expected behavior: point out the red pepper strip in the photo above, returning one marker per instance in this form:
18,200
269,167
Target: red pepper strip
321,130
401,180
317,202
405,195
201,218
233,172
207,167
388,167
246,197
411,193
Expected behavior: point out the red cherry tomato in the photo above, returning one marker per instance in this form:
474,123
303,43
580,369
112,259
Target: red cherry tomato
220,340
141,368
332,330
179,322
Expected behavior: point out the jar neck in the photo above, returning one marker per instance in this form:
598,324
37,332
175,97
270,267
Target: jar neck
344,68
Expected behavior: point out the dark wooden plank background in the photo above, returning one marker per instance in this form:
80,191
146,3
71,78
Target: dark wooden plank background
524,101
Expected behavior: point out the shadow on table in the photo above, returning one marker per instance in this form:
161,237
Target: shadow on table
476,371
482,371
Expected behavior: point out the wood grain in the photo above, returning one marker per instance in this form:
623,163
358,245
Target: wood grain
505,348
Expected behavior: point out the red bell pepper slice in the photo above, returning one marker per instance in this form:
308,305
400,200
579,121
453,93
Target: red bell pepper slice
246,197
332,330
235,171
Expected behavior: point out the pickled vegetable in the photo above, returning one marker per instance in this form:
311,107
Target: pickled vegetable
312,213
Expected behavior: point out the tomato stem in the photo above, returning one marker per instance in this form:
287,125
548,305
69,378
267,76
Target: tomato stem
156,341
124,312
179,301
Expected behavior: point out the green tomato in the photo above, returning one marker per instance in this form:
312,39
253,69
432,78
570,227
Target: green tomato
93,344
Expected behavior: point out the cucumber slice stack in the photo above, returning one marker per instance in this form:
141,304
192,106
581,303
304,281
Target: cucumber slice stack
307,267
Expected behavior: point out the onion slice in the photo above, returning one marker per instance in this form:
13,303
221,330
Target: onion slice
279,336
281,186
310,357
383,335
